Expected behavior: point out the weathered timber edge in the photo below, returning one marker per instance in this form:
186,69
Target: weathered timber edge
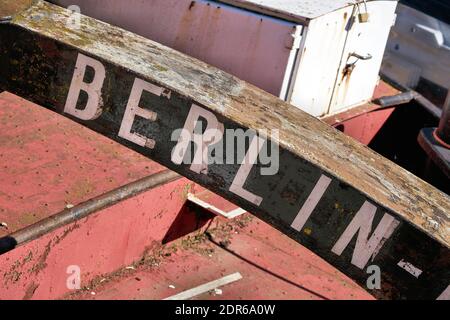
378,178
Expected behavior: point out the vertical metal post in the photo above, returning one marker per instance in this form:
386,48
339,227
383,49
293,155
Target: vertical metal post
443,131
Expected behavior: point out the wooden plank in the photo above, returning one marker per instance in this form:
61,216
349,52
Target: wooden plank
137,92
215,204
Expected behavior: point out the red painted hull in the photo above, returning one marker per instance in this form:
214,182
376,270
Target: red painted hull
49,162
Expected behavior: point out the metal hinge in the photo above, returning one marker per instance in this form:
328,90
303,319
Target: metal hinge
294,39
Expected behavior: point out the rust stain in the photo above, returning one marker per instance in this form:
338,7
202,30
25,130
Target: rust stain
31,289
253,48
66,232
183,34
82,188
41,264
14,274
211,29
157,254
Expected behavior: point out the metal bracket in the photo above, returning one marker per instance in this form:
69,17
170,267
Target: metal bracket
360,57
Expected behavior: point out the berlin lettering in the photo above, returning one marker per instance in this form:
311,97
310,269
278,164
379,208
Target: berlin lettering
366,245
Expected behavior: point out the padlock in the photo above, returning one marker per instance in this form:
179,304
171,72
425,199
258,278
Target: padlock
363,17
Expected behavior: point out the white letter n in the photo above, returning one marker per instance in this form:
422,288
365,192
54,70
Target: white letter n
362,222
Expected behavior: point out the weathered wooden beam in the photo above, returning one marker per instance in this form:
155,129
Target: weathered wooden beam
333,195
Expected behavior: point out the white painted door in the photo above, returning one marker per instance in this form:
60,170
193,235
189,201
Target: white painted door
317,66
362,55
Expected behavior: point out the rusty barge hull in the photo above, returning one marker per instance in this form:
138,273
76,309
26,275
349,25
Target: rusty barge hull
140,247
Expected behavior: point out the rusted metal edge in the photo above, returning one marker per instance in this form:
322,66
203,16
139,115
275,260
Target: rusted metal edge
345,115
436,141
283,14
435,151
328,186
69,215
443,131
395,100
267,11
414,95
